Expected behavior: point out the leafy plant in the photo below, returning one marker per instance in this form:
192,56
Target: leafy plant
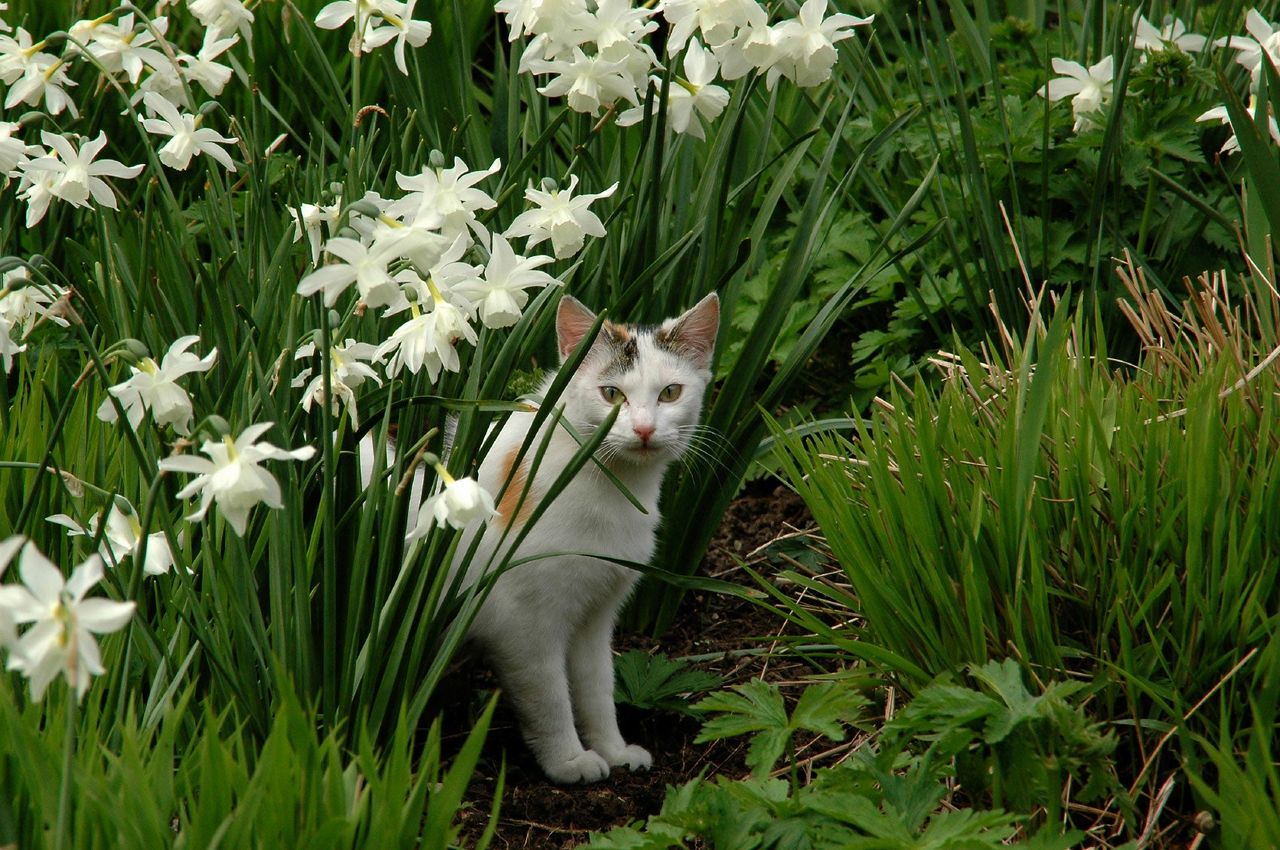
890,791
653,681
757,708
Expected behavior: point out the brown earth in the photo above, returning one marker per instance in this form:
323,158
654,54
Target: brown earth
722,634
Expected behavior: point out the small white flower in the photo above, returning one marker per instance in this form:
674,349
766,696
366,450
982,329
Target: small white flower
8,628
500,296
407,31
223,17
121,538
164,78
427,339
60,641
313,217
232,478
34,76
1088,88
1172,34
805,46
588,82
14,151
365,266
23,305
1264,37
120,47
76,176
717,20
461,502
691,98
201,68
347,372
538,16
154,387
186,138
560,217
446,197
1232,144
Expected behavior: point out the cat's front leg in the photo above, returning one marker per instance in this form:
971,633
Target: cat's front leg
591,685
533,675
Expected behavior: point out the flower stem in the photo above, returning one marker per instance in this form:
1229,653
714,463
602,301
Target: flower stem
62,831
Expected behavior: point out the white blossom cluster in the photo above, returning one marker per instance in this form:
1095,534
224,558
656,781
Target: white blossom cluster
121,51
596,53
1090,89
426,260
23,305
376,23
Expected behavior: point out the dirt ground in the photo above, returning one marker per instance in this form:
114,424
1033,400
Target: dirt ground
712,628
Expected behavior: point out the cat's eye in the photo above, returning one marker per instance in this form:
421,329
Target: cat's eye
613,395
670,392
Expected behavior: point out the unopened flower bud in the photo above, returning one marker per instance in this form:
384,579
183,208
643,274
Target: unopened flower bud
364,207
216,425
133,350
550,185
436,159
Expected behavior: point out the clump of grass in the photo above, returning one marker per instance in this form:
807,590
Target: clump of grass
1113,523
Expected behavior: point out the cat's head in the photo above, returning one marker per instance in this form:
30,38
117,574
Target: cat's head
657,373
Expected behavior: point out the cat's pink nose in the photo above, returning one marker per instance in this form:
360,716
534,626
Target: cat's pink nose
644,432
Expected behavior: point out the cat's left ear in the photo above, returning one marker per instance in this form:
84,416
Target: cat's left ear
693,334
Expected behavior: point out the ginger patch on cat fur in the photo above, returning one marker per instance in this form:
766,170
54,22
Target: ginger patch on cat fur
510,509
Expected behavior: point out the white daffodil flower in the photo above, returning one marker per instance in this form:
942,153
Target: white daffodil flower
8,628
587,82
1264,37
500,297
446,197
14,151
231,477
560,217
187,139
805,45
717,20
1088,88
223,17
407,31
752,48
691,98
201,68
60,639
348,370
1173,34
121,538
75,175
164,78
365,266
1232,144
121,47
22,304
313,218
154,387
461,502
34,76
539,16
427,340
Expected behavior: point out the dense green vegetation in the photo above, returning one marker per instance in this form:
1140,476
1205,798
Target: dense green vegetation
999,298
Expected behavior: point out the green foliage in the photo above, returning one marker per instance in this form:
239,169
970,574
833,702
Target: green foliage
756,707
656,682
189,777
1118,528
889,793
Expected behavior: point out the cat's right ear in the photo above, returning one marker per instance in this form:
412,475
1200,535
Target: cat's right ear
573,321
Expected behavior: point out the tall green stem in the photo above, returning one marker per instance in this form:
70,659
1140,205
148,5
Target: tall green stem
62,831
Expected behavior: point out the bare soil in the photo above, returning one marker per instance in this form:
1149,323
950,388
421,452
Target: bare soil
722,634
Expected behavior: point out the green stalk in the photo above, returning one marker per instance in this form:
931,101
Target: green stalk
62,828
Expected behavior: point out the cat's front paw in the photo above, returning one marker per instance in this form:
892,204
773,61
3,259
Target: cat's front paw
587,766
631,757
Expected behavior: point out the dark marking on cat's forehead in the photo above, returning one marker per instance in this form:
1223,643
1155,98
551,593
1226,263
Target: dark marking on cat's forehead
623,343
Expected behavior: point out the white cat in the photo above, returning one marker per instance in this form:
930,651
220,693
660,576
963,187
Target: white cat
546,625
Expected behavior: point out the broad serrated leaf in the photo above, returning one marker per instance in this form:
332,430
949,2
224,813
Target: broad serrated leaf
749,707
826,708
